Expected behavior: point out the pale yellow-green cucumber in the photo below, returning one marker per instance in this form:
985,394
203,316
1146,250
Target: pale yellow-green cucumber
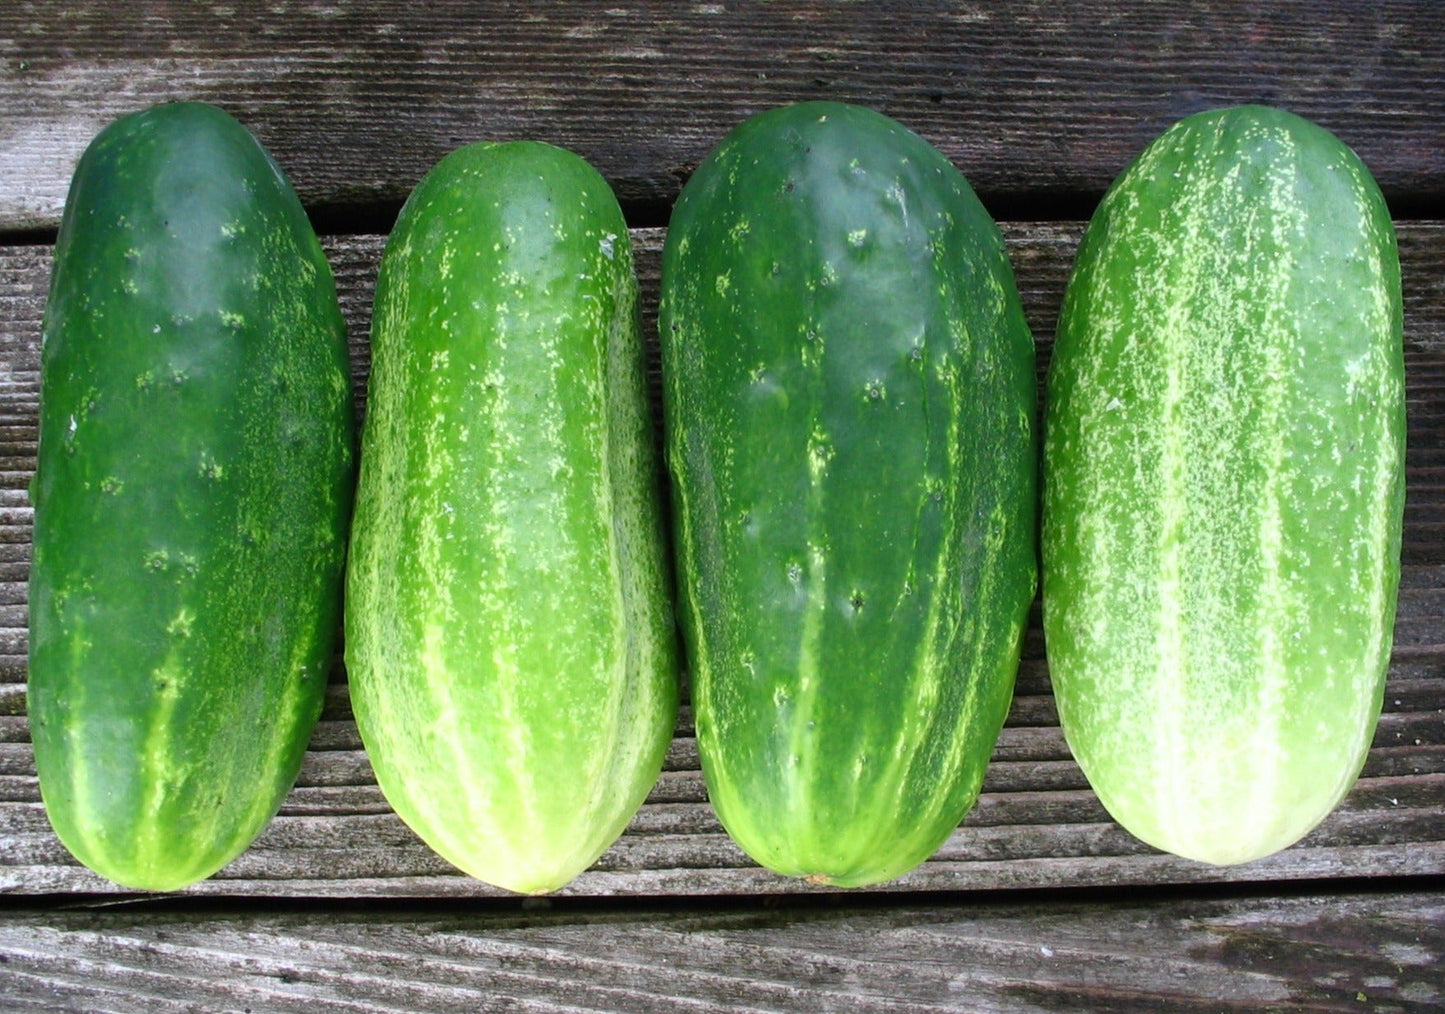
509,635
1224,477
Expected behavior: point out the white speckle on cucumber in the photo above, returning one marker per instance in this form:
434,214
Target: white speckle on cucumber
820,452
895,194
180,624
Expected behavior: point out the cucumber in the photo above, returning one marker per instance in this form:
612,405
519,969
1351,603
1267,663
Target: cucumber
1224,481
509,634
191,497
849,396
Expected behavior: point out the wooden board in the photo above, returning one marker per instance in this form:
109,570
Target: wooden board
1040,104
1355,952
1037,825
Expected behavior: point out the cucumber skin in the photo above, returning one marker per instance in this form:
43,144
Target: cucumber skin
510,638
849,397
1224,483
191,496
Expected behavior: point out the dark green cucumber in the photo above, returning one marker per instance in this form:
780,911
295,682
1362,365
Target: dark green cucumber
1224,476
191,498
509,634
850,398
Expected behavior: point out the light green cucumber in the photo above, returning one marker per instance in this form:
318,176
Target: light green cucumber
1224,476
509,635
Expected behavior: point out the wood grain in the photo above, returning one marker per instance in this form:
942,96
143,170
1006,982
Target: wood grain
1037,824
1308,953
1041,104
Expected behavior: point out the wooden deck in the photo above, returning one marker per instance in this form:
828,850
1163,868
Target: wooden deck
1038,901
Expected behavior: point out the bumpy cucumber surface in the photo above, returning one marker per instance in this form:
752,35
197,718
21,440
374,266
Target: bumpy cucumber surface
1224,482
191,499
509,632
850,398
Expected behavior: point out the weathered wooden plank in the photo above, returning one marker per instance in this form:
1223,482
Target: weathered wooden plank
1040,104
1301,953
1036,825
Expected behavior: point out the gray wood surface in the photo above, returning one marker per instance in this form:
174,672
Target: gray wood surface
1040,103
1037,824
1313,953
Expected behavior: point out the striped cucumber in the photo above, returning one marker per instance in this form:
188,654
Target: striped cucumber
509,634
191,498
850,396
1224,483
